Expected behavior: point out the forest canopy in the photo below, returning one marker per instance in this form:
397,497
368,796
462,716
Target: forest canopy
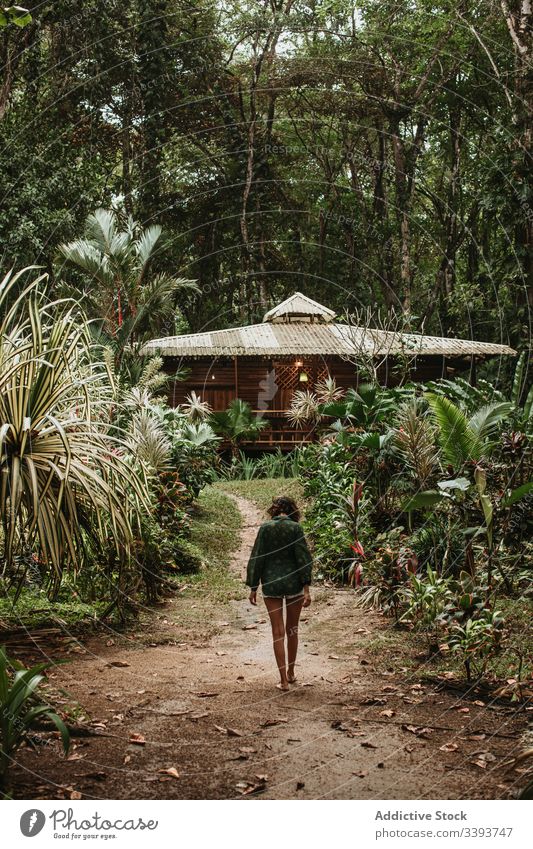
369,154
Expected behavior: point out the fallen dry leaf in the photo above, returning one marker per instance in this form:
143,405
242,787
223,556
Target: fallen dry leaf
418,730
388,713
204,695
449,747
75,794
127,759
249,627
137,739
246,788
373,700
368,745
268,722
360,774
172,771
231,732
333,657
117,663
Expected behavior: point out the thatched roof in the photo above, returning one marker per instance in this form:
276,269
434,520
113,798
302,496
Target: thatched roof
301,327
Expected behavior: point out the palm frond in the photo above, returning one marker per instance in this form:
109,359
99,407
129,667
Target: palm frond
100,228
485,421
457,440
144,246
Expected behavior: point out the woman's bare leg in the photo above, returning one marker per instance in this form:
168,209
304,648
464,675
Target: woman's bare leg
275,611
294,608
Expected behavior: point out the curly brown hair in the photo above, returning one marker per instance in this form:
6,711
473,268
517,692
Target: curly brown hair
284,504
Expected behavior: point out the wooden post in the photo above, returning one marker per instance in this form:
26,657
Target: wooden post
473,375
236,376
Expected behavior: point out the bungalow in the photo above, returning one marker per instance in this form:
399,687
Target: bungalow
298,344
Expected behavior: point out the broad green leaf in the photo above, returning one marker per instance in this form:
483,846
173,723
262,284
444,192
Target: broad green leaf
423,500
517,494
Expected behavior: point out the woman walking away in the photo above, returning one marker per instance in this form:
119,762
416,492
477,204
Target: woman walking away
281,562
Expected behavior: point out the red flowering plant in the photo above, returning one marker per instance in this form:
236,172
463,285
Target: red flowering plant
388,567
351,507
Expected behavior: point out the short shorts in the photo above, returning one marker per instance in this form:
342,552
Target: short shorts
287,597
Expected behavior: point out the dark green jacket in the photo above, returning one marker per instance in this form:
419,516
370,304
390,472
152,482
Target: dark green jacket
280,559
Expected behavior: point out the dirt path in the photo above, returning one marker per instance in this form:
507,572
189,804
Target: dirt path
207,707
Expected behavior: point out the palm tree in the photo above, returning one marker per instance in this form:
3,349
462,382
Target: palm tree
237,423
122,291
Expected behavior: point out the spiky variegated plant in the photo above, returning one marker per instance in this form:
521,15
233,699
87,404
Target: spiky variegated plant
327,390
195,409
149,444
415,438
63,477
304,408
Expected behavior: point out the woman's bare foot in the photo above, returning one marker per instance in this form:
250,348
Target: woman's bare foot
283,686
291,677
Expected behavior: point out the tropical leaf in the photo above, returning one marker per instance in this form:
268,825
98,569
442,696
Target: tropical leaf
238,422
485,421
517,494
519,379
458,442
422,500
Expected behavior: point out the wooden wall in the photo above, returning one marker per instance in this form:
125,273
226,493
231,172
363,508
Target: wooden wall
268,384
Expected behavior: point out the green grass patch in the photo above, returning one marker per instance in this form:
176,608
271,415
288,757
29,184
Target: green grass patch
261,491
215,535
35,610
